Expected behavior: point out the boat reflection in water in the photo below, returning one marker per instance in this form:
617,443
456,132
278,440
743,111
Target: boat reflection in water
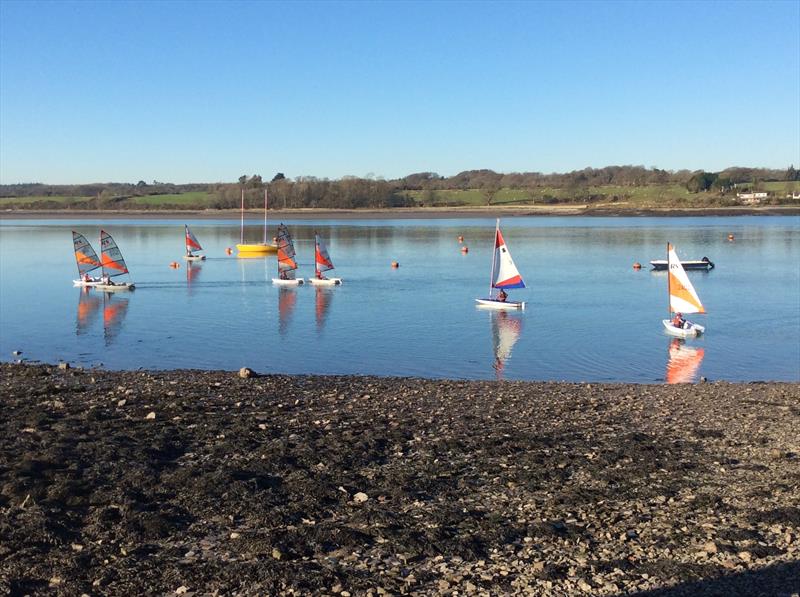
114,309
684,362
506,329
193,270
88,307
322,306
287,297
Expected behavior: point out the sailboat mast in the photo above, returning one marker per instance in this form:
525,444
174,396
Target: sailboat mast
241,233
669,288
265,215
494,251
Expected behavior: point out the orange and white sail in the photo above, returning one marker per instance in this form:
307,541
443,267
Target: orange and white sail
286,253
322,260
682,295
504,273
110,256
85,255
192,244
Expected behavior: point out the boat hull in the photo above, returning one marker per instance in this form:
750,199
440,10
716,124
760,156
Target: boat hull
85,284
256,249
325,281
295,282
495,304
115,287
691,331
661,264
194,257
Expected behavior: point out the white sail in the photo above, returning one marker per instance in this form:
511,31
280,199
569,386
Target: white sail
682,295
504,273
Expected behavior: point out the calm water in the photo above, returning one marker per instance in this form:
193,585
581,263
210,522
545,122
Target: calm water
590,316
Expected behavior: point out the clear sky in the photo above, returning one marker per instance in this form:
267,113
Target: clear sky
208,91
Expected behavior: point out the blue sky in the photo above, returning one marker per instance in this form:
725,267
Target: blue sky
208,91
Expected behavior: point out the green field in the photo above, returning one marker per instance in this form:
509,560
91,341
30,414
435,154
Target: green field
639,196
198,199
34,200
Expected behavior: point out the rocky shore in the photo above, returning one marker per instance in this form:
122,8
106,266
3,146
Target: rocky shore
208,483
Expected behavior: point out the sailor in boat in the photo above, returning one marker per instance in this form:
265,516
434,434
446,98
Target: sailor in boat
106,279
87,277
502,296
678,321
320,275
283,275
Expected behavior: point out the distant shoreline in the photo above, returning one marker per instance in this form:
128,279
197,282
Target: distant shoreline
415,213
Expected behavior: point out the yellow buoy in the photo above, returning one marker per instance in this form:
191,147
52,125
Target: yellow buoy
637,265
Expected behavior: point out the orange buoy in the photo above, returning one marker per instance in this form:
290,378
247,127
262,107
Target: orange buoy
395,264
229,251
174,265
637,265
461,239
465,249
730,237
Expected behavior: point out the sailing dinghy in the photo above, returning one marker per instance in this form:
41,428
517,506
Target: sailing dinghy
192,244
113,265
505,275
87,260
682,299
286,260
322,263
254,249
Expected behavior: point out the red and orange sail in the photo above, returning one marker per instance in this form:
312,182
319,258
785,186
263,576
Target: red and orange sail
322,259
192,244
110,256
85,255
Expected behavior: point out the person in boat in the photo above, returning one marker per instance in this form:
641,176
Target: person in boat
678,321
502,296
189,254
87,277
283,275
320,276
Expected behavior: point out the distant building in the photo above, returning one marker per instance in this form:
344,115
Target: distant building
751,198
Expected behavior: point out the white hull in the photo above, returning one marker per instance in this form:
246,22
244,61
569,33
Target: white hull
690,331
295,282
495,304
325,281
85,284
194,257
115,287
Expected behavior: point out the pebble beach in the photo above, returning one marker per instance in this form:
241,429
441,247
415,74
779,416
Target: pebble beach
216,483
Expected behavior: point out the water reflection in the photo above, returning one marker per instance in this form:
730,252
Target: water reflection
192,272
114,309
88,308
506,329
684,362
287,297
322,306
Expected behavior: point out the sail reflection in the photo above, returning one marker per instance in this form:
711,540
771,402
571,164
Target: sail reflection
323,305
88,308
684,362
506,329
114,309
192,272
287,297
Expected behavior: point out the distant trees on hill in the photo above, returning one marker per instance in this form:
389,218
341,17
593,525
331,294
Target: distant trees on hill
354,193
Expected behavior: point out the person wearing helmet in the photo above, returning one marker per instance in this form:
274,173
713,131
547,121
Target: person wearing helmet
678,321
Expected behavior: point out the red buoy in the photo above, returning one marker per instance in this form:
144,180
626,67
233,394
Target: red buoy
229,251
395,264
465,249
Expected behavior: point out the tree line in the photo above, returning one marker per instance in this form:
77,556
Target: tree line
351,192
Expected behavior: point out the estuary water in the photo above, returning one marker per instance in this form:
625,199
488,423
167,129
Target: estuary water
590,316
